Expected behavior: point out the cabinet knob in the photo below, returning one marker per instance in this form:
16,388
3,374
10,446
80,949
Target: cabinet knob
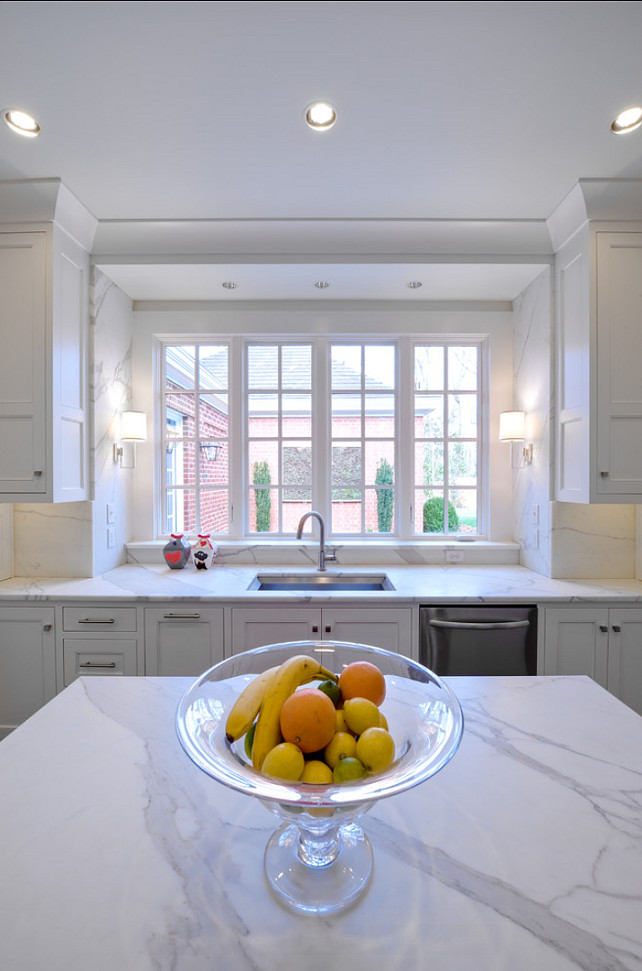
38,472
604,475
328,630
46,626
617,628
604,628
315,629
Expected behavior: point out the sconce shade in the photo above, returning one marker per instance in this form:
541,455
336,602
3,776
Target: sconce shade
133,426
511,426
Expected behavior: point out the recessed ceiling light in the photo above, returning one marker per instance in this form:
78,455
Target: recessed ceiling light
627,120
322,284
229,285
414,284
320,116
22,123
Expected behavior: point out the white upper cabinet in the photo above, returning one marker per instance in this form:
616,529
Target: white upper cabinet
599,362
44,322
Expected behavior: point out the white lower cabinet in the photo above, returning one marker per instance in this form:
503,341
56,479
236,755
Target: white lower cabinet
99,640
603,642
27,663
386,627
182,641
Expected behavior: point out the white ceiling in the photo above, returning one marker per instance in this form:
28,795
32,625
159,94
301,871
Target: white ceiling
450,114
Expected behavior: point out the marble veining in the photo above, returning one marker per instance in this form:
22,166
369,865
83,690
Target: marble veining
523,852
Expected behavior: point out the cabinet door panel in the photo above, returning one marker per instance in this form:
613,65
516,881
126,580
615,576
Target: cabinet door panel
577,642
182,643
27,663
625,657
389,629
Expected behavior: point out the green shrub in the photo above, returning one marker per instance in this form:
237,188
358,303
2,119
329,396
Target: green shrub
434,516
385,497
262,497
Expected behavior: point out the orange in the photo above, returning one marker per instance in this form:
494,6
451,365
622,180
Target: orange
361,679
308,719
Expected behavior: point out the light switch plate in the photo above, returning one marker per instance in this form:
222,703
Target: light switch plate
111,512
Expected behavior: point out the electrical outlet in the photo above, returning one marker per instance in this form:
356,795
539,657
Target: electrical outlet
454,556
535,515
111,537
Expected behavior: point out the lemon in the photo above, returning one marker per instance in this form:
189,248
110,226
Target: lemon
317,773
376,749
341,721
361,714
342,746
284,761
346,770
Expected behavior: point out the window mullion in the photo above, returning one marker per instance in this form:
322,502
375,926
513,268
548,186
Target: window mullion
405,440
321,412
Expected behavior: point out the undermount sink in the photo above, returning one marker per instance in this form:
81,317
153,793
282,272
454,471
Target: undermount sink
320,581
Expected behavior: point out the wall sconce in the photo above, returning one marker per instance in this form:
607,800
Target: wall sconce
212,450
511,429
133,429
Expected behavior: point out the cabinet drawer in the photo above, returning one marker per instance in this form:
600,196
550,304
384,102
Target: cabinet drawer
104,657
102,618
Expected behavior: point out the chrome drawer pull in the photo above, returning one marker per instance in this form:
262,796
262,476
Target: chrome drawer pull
96,664
495,625
181,616
92,620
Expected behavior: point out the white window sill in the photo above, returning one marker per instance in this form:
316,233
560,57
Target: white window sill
264,552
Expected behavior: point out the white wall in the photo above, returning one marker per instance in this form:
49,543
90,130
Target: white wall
289,320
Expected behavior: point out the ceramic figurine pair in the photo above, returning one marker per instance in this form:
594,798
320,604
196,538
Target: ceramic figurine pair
177,552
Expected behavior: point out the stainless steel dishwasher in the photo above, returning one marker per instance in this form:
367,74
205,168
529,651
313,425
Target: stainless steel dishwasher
479,640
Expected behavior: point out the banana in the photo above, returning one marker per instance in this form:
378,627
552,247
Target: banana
293,672
247,705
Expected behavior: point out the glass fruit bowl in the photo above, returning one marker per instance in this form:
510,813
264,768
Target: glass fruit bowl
319,861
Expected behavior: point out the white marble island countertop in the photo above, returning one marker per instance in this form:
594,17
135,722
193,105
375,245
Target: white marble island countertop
524,852
147,583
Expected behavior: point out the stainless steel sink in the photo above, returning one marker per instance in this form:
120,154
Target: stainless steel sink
320,581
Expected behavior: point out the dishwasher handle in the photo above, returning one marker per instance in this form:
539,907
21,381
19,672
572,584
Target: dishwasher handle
478,625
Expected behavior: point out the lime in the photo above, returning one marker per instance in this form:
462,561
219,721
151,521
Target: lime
317,773
249,741
332,690
346,770
360,713
284,761
376,749
342,746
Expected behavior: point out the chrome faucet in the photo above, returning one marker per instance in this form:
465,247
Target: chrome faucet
323,554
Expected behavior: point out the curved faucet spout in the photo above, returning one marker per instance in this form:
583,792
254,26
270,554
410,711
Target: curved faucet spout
323,554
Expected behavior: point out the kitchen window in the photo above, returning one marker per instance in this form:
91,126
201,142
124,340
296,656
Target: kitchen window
383,437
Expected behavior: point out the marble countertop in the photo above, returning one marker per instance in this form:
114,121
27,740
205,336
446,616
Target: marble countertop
525,851
412,584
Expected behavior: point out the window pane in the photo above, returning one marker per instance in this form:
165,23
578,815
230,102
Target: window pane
180,366
379,365
296,502
380,415
179,415
296,366
297,469
264,462
345,366
429,368
213,367
429,416
462,368
380,507
465,502
180,463
262,366
462,415
297,412
347,465
346,415
429,463
262,415
214,511
180,511
462,463
214,466
213,419
263,511
346,511
380,461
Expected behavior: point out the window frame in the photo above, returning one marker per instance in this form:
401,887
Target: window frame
239,464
